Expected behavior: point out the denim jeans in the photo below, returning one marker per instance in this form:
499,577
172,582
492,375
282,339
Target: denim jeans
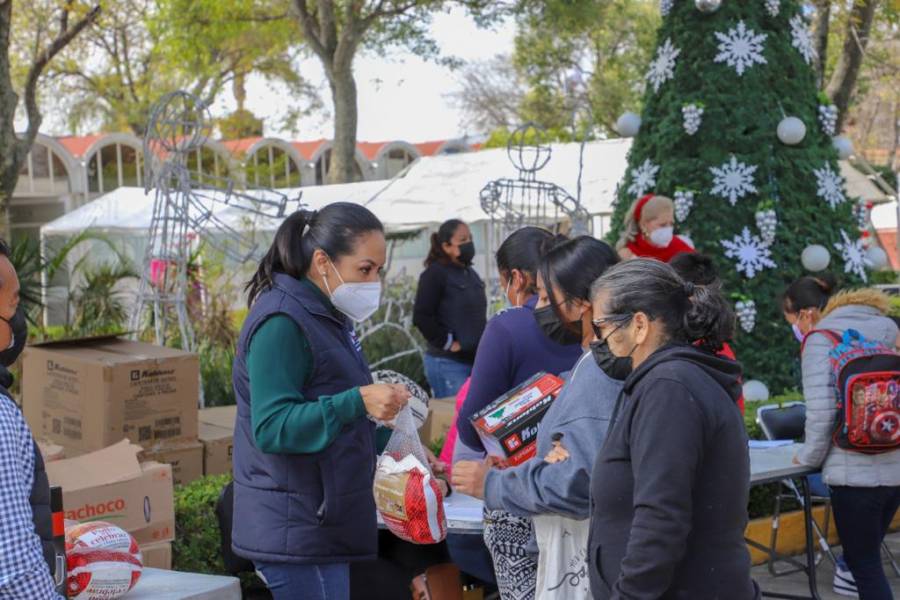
288,581
445,375
862,516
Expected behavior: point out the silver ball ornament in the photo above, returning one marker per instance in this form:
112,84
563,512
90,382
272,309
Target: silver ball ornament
755,391
844,147
815,258
791,131
708,6
628,124
876,258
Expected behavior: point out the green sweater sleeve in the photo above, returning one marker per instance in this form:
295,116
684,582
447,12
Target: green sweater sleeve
284,421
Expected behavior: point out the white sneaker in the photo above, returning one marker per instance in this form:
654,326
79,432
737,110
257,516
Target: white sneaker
844,584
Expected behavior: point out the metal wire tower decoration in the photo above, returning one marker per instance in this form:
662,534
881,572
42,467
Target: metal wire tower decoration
184,213
516,203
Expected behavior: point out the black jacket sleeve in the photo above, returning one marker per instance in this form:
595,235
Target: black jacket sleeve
666,450
432,283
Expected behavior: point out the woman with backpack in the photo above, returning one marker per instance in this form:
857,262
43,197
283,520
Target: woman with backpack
865,488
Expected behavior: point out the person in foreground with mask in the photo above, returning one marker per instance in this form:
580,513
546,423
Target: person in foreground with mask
556,482
450,308
649,231
670,486
27,555
304,449
517,343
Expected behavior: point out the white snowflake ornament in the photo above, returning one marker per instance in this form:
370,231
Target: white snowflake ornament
752,254
854,255
746,314
684,202
643,179
828,114
740,48
801,39
665,7
693,117
733,180
767,223
662,68
773,6
830,186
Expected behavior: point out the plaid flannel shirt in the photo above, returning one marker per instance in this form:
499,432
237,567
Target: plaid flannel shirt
23,571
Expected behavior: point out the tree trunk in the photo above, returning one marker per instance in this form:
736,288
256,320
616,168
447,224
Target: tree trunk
895,142
823,26
843,81
343,155
10,154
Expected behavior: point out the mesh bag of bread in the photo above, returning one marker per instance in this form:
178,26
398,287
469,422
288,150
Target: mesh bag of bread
407,494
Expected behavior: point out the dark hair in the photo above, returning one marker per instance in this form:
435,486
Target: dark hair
699,269
808,292
4,248
334,229
688,312
522,250
440,237
572,266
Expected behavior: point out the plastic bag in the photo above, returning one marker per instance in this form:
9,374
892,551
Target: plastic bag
407,494
562,558
418,400
103,561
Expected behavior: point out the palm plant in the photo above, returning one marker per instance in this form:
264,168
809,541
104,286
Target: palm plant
99,302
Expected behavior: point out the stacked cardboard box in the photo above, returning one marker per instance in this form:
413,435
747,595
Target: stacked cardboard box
217,435
88,394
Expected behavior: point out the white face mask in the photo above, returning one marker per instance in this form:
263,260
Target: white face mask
662,237
357,300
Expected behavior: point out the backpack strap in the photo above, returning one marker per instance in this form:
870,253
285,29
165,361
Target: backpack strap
835,337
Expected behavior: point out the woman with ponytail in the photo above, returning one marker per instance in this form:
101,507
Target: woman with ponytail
649,231
670,485
450,308
304,449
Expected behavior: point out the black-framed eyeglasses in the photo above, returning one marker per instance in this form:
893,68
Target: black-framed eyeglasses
620,320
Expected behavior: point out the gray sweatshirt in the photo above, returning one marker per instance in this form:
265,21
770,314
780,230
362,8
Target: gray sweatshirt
581,413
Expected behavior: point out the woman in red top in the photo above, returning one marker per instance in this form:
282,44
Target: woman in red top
649,231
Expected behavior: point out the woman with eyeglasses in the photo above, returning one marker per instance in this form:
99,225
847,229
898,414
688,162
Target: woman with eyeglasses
555,483
670,486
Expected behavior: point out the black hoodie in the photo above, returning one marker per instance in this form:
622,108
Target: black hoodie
670,486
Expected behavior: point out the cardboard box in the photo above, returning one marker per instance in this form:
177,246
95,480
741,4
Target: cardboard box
441,415
218,445
220,416
157,556
88,394
186,460
111,485
508,425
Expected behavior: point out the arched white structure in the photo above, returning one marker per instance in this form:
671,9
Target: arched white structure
112,161
392,157
321,161
272,163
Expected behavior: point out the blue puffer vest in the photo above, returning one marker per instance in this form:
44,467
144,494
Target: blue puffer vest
305,508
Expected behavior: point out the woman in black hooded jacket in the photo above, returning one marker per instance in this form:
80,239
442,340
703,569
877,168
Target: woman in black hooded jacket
670,486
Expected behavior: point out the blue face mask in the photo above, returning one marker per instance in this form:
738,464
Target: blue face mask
797,333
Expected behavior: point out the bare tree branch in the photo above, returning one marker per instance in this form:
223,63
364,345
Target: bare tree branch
843,80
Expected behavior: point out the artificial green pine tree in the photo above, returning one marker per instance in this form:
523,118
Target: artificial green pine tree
725,75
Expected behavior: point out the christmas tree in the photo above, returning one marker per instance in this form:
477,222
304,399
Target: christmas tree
734,129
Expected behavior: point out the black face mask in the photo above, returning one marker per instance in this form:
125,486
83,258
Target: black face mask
617,367
19,327
466,253
553,328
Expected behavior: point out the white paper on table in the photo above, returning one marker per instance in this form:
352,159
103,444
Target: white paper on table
460,507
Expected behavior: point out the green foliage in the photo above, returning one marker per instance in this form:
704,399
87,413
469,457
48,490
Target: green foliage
240,124
197,542
99,303
740,119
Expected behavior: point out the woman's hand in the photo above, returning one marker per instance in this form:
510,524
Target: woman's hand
437,466
469,476
557,454
384,400
455,347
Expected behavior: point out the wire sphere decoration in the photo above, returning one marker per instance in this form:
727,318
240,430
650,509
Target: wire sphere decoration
528,150
180,122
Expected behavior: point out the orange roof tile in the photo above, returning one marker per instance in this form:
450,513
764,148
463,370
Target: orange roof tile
308,149
430,148
240,146
888,240
371,149
78,145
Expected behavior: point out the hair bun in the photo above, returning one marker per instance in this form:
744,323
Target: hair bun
689,288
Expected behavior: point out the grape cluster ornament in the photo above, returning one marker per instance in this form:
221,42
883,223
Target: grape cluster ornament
693,117
767,223
745,309
665,7
684,202
828,114
773,7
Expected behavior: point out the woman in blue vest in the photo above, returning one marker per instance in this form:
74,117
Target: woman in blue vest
304,449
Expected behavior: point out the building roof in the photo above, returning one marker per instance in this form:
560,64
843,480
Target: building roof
78,145
309,149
